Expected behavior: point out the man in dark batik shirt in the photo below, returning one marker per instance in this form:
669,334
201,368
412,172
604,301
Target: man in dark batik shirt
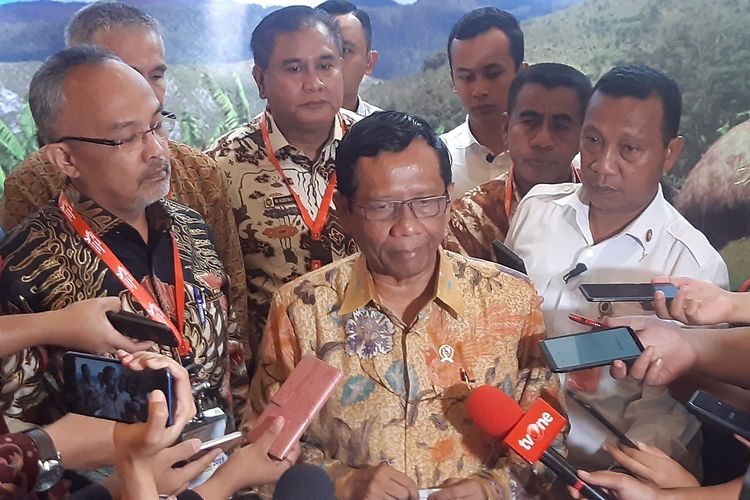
109,140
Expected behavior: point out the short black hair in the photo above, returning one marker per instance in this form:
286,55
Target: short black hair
481,20
641,82
342,7
551,76
389,131
289,20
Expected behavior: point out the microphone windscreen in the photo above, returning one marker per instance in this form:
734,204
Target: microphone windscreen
493,411
304,482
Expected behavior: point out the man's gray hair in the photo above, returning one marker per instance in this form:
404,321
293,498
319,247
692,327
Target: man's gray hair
46,96
105,15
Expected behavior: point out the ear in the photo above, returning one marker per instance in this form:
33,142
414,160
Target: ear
674,148
505,127
342,204
260,80
372,61
59,155
451,189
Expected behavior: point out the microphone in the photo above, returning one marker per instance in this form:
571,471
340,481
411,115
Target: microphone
304,482
490,157
529,435
576,271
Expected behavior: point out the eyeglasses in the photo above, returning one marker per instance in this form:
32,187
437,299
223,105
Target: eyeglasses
422,208
160,130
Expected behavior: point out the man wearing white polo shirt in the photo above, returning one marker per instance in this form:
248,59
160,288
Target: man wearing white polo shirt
616,227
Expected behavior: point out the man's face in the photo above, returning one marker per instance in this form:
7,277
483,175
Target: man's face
142,49
303,82
483,69
112,101
404,246
358,61
543,133
622,152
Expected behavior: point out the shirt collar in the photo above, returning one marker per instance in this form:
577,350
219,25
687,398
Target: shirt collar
465,139
642,229
103,221
278,141
361,289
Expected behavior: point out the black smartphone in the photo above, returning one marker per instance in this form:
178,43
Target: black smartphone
714,410
590,349
102,387
625,292
621,437
140,328
507,257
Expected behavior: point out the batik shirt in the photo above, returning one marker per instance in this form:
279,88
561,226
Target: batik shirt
195,182
47,266
275,242
402,399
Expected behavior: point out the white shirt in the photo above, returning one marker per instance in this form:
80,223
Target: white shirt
469,159
365,108
550,232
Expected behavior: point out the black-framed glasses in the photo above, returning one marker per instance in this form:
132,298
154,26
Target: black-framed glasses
422,208
160,130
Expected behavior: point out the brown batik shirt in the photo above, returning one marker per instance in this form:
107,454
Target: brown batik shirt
276,244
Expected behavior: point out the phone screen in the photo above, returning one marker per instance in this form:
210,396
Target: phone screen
586,350
103,388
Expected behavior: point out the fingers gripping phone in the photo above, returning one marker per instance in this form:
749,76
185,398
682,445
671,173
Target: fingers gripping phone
102,387
591,349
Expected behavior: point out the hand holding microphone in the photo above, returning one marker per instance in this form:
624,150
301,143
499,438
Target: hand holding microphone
529,435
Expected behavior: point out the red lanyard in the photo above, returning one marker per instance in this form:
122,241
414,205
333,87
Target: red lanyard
139,292
316,226
508,202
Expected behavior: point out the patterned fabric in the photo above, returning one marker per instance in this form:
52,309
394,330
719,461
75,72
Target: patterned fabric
401,400
275,242
195,182
364,108
48,266
478,218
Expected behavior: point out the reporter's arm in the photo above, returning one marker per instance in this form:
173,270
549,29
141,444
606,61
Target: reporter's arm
84,443
722,354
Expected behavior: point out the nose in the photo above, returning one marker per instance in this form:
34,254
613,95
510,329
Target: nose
155,145
480,88
312,82
603,162
542,139
406,223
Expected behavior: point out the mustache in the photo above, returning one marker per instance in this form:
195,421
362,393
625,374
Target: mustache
156,167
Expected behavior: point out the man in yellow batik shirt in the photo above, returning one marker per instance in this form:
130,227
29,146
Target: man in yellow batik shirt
408,323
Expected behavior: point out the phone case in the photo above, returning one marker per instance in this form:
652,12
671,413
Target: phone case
299,400
556,369
507,257
713,409
139,328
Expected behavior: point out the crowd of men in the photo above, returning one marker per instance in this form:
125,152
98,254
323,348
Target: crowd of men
327,227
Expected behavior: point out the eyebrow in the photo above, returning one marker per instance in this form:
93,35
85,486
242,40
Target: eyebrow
130,123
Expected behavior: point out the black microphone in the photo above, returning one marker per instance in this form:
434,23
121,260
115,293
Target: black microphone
490,157
304,482
576,271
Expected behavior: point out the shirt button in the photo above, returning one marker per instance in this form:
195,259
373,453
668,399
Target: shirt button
567,189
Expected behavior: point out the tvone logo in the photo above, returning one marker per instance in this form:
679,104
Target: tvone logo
535,431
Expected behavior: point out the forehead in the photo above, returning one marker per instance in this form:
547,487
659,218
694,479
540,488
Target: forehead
309,42
415,171
351,28
557,100
625,115
492,46
138,46
102,95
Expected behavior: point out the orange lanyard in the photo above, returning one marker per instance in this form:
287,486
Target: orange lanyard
316,226
139,292
508,202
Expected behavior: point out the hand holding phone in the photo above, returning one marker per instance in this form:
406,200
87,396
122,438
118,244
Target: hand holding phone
591,349
298,400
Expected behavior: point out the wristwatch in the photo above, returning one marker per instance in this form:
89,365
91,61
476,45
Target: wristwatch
49,461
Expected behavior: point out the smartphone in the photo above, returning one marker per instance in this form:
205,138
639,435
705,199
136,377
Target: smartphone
625,292
507,257
591,349
621,437
101,387
298,400
226,443
714,410
140,328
